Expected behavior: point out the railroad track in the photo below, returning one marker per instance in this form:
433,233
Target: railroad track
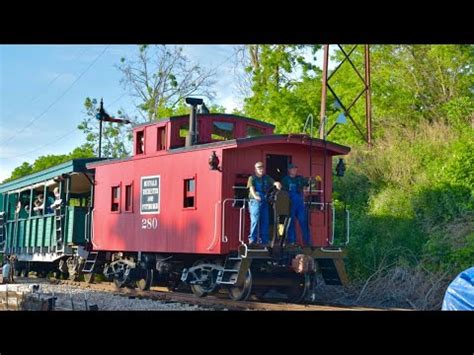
217,302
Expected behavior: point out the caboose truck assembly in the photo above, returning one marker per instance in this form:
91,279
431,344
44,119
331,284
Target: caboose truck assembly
175,212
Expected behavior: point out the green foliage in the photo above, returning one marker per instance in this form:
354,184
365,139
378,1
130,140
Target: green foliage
414,83
22,170
285,86
46,161
459,169
410,84
411,195
115,136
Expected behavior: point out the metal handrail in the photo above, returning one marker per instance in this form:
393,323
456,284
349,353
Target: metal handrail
86,230
331,242
347,226
92,225
338,250
223,236
214,239
333,223
242,220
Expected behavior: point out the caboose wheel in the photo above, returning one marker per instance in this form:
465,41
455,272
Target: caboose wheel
120,272
120,281
242,293
205,274
144,283
300,288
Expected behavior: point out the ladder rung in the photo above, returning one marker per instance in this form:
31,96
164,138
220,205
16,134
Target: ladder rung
226,282
230,270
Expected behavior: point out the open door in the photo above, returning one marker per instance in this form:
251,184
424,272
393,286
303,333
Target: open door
277,166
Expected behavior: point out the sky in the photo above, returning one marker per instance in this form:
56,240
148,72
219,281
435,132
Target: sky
43,88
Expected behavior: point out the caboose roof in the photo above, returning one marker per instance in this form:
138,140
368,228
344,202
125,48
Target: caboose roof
302,139
180,117
75,165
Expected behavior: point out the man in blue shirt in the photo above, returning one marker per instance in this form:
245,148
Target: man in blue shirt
259,184
294,184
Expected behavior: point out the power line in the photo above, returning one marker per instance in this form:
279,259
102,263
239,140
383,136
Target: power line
118,99
57,139
60,97
47,85
225,61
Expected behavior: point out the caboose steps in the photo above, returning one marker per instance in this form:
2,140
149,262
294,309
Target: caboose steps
234,271
332,272
90,262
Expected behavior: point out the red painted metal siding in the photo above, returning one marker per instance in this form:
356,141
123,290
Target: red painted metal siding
242,160
204,126
178,229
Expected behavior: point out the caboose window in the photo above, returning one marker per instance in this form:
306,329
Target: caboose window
115,199
253,131
140,143
222,131
183,130
161,144
189,193
128,198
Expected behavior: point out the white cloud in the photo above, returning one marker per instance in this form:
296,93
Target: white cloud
230,103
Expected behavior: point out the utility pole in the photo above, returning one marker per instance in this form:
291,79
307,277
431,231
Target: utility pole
104,116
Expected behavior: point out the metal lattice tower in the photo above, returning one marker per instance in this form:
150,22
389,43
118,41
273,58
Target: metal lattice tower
367,136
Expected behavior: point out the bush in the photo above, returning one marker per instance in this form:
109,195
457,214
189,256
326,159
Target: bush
412,194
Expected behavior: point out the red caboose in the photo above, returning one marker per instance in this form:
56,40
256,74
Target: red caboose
179,204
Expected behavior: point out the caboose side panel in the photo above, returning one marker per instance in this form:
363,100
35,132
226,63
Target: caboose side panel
185,220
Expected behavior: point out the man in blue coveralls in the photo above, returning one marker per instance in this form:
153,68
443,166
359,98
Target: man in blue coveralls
259,184
294,184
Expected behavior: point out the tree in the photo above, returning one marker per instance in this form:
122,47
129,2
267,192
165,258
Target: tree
115,136
46,161
161,77
285,84
22,170
410,84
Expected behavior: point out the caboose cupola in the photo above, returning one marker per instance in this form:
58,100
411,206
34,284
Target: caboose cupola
199,128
